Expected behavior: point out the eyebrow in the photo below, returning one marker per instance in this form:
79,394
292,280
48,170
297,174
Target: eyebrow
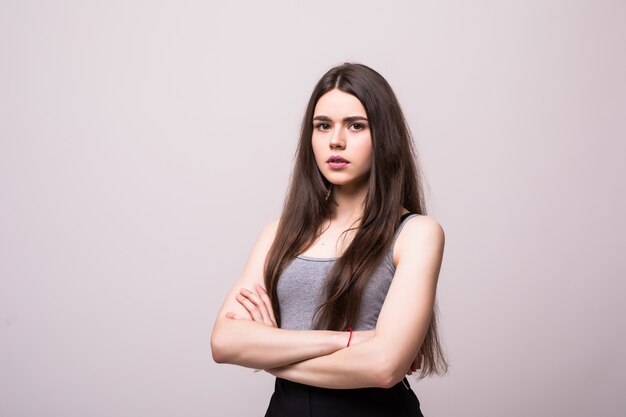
347,119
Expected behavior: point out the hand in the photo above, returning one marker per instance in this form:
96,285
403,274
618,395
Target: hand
417,363
257,304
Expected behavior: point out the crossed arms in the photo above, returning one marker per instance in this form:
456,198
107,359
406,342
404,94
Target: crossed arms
245,331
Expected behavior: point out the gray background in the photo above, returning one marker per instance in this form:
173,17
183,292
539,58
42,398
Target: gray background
144,144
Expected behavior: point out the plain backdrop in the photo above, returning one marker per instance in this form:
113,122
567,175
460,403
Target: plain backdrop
144,145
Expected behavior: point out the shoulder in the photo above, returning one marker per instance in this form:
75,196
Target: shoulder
265,239
420,234
261,248
422,226
271,227
269,232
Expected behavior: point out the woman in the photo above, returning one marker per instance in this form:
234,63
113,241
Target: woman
337,299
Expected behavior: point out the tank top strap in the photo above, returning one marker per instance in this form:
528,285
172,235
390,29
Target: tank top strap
403,218
400,225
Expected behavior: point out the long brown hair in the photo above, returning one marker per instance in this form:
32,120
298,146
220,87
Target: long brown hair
394,182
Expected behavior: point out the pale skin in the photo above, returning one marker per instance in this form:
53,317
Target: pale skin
245,332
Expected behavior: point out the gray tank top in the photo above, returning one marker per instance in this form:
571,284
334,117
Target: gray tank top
300,289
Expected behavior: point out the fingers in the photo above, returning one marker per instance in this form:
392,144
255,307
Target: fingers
417,363
251,307
234,316
268,304
257,305
258,302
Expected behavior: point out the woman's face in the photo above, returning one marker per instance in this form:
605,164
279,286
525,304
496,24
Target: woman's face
341,140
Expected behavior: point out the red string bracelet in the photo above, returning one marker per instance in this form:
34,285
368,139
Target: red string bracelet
349,338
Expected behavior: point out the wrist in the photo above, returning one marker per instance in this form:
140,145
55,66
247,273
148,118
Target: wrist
337,340
349,336
359,336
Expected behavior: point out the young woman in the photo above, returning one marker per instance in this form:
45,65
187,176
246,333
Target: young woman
337,299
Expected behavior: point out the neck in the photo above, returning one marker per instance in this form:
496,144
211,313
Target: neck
350,203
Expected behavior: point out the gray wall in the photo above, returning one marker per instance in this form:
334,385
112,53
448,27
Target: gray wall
144,144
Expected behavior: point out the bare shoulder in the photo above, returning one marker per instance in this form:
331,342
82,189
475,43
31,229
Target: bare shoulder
269,231
425,227
421,235
266,238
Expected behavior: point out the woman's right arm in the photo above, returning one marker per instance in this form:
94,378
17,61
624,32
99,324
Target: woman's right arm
257,345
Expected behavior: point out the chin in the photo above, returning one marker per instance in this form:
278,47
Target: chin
339,181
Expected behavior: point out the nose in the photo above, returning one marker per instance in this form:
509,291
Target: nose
337,140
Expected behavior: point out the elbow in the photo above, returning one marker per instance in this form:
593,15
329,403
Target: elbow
217,352
388,380
226,346
389,373
218,349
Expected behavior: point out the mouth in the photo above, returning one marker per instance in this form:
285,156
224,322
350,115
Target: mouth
337,162
337,159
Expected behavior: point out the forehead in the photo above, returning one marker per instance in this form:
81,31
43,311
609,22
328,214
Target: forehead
340,104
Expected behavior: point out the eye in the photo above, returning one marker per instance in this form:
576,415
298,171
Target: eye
358,126
322,126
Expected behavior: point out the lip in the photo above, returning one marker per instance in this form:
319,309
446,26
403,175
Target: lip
338,165
337,162
337,159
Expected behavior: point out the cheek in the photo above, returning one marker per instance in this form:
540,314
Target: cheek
366,152
316,146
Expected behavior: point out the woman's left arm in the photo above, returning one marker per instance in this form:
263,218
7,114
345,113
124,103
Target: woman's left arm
402,324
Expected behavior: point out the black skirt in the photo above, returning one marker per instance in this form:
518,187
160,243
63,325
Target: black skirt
291,399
